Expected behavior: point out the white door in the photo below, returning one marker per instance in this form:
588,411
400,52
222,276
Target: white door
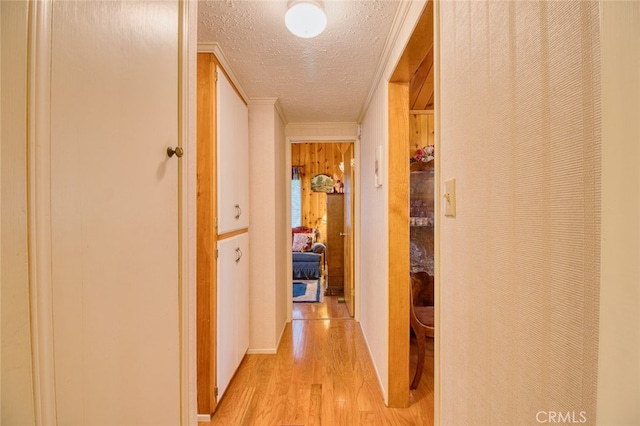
114,212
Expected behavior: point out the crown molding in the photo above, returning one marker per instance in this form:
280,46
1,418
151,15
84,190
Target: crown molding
281,113
322,131
263,101
270,101
224,63
397,27
323,124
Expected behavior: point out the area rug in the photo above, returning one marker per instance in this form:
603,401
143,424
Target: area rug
307,290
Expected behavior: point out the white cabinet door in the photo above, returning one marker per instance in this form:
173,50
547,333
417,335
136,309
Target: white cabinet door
233,157
242,292
232,307
226,324
114,212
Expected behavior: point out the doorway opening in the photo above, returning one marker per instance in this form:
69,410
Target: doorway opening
412,207
322,205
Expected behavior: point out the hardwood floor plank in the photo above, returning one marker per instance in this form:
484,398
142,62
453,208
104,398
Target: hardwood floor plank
329,308
321,375
261,373
315,406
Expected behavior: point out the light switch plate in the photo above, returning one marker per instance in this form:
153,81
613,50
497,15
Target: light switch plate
449,195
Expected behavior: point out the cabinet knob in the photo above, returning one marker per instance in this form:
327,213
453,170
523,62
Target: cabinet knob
178,151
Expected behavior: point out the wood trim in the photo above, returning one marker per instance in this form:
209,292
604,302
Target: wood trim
422,83
187,210
233,84
438,223
417,49
421,112
39,210
231,234
225,64
206,243
398,239
349,186
417,53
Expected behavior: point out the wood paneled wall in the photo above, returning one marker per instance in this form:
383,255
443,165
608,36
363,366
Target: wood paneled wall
316,158
422,131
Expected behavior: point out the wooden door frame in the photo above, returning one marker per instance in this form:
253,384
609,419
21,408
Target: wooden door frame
187,113
206,235
348,254
356,225
398,242
398,193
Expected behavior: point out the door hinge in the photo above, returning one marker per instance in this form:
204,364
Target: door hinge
215,76
217,253
215,391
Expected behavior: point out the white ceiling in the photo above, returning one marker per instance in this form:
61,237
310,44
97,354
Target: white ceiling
323,79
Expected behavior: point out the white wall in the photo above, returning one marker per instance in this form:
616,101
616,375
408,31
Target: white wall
298,132
16,406
519,266
619,348
374,271
267,229
373,262
282,224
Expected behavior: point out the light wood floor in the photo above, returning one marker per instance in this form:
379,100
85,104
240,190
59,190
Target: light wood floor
329,308
321,375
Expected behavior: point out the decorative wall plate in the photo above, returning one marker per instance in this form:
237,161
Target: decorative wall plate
322,183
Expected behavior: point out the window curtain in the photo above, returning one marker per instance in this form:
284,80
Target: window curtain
296,172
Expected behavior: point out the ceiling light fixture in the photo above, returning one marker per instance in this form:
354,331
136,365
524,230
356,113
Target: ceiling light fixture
305,18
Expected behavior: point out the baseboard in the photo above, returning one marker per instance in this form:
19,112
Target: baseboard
334,291
284,327
269,351
262,351
204,418
385,395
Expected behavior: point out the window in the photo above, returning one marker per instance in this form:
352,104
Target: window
296,201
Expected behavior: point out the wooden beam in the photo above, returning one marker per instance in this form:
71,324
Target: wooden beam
421,79
206,234
422,96
398,242
417,48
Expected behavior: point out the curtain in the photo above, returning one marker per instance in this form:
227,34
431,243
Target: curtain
296,172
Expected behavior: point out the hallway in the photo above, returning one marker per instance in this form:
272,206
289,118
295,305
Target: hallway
321,375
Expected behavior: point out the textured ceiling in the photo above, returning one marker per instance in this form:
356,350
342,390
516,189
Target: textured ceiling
323,79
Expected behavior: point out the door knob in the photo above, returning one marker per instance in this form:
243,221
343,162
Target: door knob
177,151
343,234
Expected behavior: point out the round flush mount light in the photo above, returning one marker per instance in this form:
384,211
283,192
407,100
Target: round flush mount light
305,18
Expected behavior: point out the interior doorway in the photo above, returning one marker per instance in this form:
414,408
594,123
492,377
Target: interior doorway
322,214
412,119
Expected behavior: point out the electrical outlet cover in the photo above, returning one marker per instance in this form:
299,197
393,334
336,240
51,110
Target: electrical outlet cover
450,197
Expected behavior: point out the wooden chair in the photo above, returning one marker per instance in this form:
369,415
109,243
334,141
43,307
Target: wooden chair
422,324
